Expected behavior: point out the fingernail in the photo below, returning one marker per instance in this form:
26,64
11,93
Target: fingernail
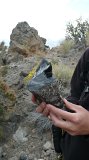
49,117
65,100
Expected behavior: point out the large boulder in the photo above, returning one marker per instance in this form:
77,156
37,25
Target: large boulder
25,40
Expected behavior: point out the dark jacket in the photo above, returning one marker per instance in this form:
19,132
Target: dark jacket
77,147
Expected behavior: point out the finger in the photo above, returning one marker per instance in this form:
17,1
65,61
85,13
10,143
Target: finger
70,105
61,113
41,107
65,125
33,98
49,117
72,133
60,122
45,112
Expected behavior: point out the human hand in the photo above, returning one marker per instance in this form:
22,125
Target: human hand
76,123
42,108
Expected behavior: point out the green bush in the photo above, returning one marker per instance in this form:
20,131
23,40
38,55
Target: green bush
78,31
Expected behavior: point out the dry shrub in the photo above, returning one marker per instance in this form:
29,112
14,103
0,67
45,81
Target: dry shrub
87,38
8,92
8,98
2,46
63,73
66,46
3,70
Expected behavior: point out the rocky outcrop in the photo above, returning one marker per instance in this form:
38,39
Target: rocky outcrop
25,40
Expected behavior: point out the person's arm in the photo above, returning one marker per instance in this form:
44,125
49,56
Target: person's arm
78,78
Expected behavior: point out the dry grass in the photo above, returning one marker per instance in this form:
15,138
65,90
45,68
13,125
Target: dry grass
66,46
63,73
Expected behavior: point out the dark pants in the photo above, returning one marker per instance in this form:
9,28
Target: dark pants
75,147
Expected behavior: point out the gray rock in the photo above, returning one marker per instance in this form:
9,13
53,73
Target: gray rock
47,145
13,158
25,40
20,135
23,156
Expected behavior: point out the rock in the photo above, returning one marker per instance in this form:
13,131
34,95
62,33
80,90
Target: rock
23,156
47,145
13,158
25,40
20,135
48,152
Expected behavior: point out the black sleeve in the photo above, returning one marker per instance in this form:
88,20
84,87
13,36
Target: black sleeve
78,78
